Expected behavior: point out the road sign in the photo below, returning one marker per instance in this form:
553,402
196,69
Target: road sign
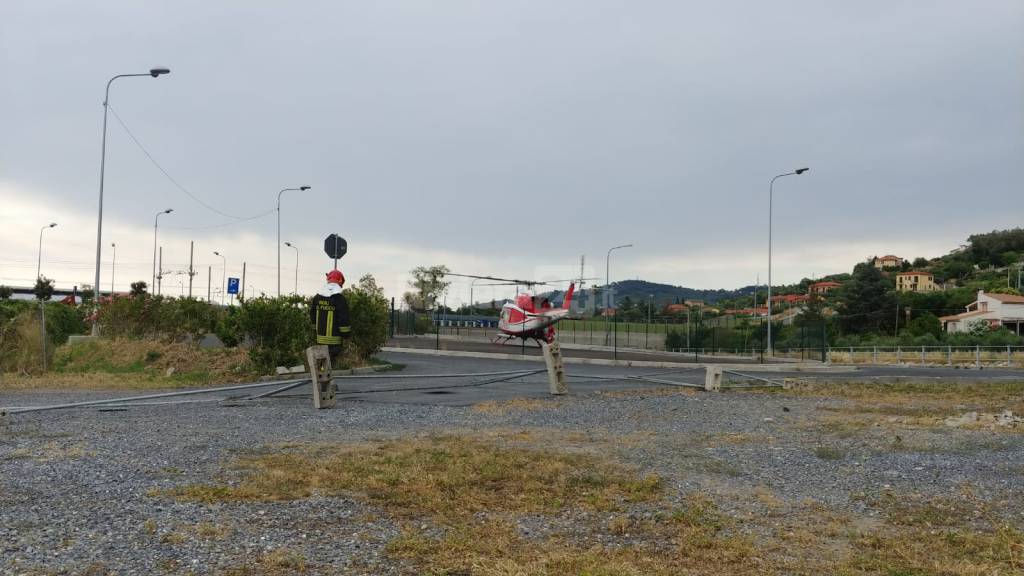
335,246
232,285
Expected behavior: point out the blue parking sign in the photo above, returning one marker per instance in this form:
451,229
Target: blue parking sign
232,285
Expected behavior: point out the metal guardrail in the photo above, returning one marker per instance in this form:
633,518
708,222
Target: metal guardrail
977,356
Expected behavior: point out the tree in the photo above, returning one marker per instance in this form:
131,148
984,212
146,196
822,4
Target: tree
920,263
43,288
138,289
428,284
6,292
866,301
926,323
369,313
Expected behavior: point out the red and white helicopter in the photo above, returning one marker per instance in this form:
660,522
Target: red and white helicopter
528,317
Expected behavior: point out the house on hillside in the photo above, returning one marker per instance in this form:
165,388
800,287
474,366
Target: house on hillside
759,311
993,309
916,281
790,299
677,309
822,288
887,262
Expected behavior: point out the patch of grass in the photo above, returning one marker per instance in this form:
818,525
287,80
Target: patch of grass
278,562
922,398
653,392
52,451
135,364
500,407
447,476
211,531
829,452
173,538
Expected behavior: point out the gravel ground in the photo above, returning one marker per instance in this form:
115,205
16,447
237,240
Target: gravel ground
75,485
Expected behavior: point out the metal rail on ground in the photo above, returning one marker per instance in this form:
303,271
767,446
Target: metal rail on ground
288,385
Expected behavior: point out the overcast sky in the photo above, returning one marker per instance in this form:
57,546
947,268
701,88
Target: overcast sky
508,138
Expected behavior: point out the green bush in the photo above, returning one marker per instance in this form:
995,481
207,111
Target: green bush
21,348
368,315
277,330
675,339
63,321
160,317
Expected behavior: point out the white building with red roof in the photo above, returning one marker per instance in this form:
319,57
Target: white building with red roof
992,309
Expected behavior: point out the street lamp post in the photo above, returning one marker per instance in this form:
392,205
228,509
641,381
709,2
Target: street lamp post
154,72
300,188
292,246
472,308
156,222
223,275
39,265
647,333
771,191
607,287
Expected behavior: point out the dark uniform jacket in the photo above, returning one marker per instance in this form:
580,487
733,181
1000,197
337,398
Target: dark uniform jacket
329,312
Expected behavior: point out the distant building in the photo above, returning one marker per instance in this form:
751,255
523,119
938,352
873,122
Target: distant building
993,309
915,281
886,262
694,303
677,309
759,311
822,288
790,299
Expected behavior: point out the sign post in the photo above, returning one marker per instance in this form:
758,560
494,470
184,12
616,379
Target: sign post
335,246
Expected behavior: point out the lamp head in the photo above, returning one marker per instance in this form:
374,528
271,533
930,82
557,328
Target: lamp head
169,210
801,170
215,253
304,188
289,244
52,224
154,72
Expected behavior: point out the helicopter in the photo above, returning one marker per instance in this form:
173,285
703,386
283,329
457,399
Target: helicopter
528,317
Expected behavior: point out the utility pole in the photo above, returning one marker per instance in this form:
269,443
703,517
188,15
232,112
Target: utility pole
191,271
243,281
209,282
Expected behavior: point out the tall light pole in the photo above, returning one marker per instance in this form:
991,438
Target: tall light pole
154,72
608,287
300,188
771,192
39,265
113,266
223,275
292,246
472,283
156,222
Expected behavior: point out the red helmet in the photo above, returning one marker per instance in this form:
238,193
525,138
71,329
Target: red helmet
336,277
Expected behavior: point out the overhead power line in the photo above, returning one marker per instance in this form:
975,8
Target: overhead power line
182,188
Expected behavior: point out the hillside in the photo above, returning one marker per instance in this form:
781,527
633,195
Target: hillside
663,294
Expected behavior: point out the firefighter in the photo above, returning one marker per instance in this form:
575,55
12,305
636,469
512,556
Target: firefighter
328,311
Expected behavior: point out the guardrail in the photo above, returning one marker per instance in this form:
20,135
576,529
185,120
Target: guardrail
976,356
